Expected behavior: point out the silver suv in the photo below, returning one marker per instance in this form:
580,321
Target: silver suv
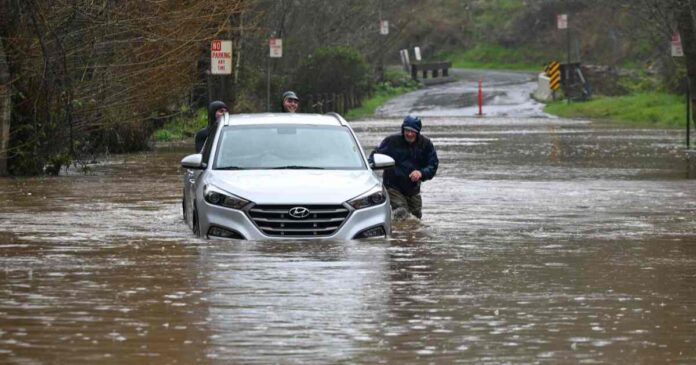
285,176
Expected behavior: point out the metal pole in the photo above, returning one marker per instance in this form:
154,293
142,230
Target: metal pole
268,84
688,113
567,69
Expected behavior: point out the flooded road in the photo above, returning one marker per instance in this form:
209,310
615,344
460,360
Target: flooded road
543,241
503,94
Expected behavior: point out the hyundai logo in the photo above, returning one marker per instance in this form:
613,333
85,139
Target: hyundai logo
299,212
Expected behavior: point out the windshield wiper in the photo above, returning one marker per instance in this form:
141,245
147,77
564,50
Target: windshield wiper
296,167
230,168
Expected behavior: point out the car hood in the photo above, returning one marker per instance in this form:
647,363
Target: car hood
294,186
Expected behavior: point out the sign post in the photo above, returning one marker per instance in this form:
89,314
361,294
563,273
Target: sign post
220,65
275,50
384,27
221,57
384,32
553,71
688,113
275,46
677,50
562,22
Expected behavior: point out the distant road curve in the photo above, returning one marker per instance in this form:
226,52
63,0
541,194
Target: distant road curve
505,94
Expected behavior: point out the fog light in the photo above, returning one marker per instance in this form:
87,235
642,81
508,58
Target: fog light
224,233
371,232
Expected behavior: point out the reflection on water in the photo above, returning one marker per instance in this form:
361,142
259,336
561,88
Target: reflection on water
543,241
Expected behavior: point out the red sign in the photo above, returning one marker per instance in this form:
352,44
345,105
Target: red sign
677,50
221,57
562,21
275,46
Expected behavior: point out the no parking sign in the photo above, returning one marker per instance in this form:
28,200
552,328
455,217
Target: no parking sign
221,57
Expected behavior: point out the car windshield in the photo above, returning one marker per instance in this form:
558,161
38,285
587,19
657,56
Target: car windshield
287,147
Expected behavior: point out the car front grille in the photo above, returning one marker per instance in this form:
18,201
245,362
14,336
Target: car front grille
321,220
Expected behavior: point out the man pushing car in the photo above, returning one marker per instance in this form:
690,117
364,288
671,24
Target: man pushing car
416,161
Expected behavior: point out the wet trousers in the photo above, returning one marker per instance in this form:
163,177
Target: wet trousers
412,204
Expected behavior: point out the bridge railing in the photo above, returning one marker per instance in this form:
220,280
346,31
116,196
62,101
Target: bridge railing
436,69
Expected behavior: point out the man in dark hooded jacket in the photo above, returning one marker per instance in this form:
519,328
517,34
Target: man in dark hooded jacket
415,161
216,109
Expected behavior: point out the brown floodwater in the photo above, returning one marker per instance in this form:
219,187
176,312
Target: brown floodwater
543,241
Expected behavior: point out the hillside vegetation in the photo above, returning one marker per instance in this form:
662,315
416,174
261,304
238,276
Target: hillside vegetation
97,77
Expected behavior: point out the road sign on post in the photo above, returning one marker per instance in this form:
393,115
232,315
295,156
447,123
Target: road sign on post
221,57
562,21
405,61
384,27
553,71
677,50
275,47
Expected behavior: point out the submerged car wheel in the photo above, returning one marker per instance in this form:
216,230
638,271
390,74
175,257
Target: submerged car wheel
196,225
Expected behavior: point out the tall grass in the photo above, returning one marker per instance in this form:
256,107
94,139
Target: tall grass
382,94
396,82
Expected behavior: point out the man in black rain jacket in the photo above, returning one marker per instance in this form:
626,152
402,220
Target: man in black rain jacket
415,161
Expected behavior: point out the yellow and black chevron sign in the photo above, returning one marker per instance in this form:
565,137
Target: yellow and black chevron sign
553,71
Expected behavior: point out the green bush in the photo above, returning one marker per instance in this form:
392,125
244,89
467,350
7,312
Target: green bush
163,135
398,78
333,70
182,127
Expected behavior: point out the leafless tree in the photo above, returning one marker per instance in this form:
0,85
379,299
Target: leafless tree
83,73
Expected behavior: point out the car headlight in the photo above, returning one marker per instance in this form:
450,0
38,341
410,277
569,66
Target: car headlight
372,197
217,196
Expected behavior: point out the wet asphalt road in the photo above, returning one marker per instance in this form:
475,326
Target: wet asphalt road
544,240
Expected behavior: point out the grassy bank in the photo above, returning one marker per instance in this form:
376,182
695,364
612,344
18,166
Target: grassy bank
382,94
495,57
650,109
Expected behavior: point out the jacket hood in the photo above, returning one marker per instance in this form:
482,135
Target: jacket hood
212,108
411,122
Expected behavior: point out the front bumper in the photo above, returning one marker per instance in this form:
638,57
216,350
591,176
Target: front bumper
238,221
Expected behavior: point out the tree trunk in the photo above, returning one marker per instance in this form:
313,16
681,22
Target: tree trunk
5,110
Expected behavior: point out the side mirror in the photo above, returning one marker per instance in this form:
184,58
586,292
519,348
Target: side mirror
380,161
194,161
